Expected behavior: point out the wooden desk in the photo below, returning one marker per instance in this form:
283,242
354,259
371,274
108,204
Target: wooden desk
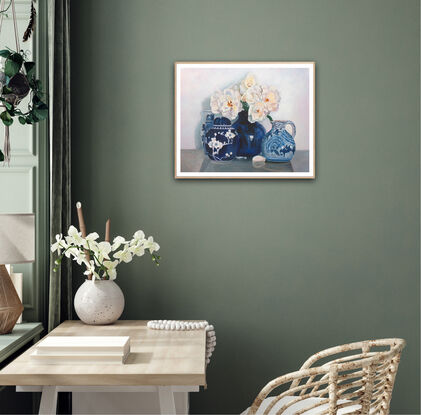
159,361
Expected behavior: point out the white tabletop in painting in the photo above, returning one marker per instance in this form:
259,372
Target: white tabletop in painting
197,161
159,361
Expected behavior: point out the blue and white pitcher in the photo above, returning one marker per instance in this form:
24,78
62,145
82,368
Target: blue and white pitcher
278,145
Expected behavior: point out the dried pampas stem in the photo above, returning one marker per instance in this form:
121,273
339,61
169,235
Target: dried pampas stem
107,230
31,25
82,228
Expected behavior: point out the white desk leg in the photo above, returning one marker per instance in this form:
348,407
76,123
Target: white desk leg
166,400
186,403
48,403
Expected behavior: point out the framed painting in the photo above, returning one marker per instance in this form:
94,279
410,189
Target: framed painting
244,120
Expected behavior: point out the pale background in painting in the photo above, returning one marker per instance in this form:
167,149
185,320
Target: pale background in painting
198,84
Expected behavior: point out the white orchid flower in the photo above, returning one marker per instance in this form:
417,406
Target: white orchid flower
72,251
90,245
248,82
111,269
91,270
92,237
124,255
139,235
257,112
75,246
57,246
151,245
80,258
117,242
271,98
104,248
74,237
138,250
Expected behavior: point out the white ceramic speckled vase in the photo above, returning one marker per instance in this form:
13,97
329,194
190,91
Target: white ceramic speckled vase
99,302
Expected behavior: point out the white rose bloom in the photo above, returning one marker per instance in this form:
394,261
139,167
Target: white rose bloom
271,98
253,95
248,82
226,103
236,89
214,101
257,112
230,105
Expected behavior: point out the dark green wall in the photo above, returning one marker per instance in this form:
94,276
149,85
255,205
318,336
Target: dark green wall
282,268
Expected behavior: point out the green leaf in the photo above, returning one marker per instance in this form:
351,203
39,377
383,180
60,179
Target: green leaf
6,118
6,90
245,106
8,105
13,64
22,120
40,112
1,156
35,84
5,53
30,69
270,118
11,68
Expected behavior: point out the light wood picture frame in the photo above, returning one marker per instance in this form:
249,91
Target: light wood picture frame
244,120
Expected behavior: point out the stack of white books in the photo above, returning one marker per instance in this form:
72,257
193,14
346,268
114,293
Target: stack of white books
82,349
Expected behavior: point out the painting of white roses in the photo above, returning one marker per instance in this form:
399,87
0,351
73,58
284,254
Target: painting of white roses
244,120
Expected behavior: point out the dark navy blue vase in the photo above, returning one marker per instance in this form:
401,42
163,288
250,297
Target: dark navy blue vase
250,136
278,144
220,140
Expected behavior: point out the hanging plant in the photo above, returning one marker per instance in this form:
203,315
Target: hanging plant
17,81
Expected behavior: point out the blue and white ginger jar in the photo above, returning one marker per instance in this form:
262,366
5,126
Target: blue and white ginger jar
220,139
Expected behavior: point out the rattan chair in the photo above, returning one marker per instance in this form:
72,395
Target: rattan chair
355,378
